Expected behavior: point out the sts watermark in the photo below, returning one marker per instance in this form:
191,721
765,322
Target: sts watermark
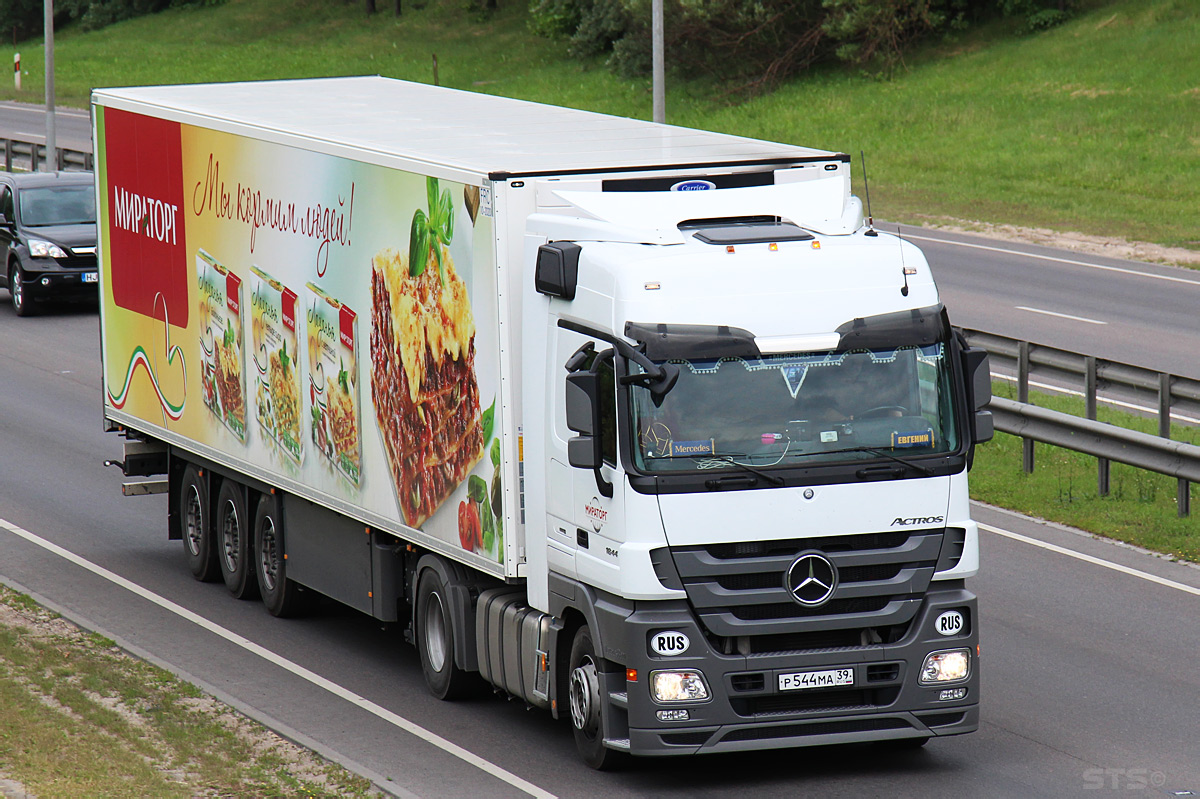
1122,779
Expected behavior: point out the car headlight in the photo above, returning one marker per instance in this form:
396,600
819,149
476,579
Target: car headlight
951,665
678,685
45,249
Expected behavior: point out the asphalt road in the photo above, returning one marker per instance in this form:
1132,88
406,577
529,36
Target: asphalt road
1088,680
27,122
1125,311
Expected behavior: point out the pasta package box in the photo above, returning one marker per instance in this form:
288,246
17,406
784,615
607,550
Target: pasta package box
333,381
222,375
275,347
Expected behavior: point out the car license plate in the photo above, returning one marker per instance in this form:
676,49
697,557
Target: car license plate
799,680
91,277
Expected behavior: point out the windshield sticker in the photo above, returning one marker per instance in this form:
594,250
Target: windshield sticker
683,449
794,376
922,438
828,436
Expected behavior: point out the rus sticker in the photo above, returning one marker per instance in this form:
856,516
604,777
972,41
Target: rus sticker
333,381
275,349
222,374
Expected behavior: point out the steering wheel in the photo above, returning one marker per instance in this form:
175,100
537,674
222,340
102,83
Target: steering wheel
883,410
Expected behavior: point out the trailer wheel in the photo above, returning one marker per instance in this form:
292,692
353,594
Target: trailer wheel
233,541
435,639
587,717
283,597
197,532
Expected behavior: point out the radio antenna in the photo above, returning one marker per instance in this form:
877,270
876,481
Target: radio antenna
867,189
904,269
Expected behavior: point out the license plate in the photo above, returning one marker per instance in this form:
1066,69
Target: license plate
91,277
799,680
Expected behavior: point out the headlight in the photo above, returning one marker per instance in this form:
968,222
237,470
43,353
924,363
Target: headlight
44,249
952,665
684,685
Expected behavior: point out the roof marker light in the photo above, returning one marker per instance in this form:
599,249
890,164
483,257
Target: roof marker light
773,247
652,286
729,248
816,245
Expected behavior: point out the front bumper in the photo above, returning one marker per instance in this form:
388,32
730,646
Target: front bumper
48,278
746,710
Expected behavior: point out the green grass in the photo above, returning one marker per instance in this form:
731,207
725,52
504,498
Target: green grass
78,717
1088,127
1140,508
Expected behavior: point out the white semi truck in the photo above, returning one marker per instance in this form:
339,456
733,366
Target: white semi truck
639,424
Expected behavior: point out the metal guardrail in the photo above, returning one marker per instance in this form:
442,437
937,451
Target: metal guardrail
32,155
1169,393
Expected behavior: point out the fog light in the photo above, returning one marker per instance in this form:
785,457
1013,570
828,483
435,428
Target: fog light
951,694
949,666
673,715
684,685
45,281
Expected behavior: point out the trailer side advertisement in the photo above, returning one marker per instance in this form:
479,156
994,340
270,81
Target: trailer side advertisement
327,322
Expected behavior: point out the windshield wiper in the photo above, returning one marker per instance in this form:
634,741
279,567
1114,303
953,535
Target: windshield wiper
925,470
774,480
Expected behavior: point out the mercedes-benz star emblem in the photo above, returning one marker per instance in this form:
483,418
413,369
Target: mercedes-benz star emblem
811,579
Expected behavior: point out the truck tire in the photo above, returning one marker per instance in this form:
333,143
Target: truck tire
194,509
435,639
282,597
584,694
232,536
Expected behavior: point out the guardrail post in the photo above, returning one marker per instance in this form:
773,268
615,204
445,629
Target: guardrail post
1183,497
58,159
87,161
1090,390
1164,405
8,148
33,157
1023,398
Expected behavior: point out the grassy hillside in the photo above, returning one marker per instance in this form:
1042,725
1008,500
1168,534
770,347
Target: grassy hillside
1090,127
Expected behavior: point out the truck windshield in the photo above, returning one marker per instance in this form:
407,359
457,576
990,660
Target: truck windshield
799,409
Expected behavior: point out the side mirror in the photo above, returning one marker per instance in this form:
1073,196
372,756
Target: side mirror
977,369
582,406
557,269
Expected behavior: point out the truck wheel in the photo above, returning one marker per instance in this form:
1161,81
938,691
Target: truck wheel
282,597
587,718
16,290
435,639
233,541
197,532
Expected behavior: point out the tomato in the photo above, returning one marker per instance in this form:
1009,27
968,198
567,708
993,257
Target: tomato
470,529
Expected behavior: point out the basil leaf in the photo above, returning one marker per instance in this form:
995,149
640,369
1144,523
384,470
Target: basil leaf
446,216
431,194
496,454
477,489
418,244
437,256
489,422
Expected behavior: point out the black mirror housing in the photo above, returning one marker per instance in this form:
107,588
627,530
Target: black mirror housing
557,271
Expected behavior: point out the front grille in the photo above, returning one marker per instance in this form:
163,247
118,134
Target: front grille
820,728
738,590
854,699
78,262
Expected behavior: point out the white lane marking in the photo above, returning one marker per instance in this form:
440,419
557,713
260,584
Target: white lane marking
394,719
1114,402
1107,564
1060,315
1071,261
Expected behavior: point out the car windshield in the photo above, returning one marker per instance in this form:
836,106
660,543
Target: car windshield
798,409
58,205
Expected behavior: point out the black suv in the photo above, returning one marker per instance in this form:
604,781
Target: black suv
48,237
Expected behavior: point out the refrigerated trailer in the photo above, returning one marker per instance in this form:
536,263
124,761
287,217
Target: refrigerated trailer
639,424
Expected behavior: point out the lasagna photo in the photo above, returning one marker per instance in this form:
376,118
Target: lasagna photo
224,389
423,379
